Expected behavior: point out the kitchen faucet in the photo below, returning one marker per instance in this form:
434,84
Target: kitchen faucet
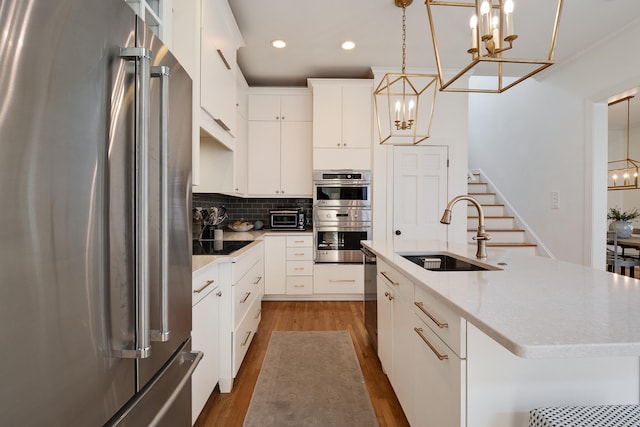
482,235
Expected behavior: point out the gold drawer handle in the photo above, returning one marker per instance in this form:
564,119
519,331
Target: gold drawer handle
246,339
298,268
245,297
438,355
298,286
258,281
258,314
420,305
342,281
206,285
388,295
386,276
298,241
299,254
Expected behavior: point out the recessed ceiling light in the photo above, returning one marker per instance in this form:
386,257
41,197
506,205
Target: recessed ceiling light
278,44
348,45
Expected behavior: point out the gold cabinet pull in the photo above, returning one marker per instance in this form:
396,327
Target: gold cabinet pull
246,338
386,276
218,294
258,281
245,297
388,295
206,285
420,305
342,281
258,314
426,341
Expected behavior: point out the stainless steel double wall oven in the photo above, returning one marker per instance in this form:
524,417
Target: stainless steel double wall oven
341,214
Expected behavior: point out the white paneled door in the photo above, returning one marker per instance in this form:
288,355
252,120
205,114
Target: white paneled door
419,192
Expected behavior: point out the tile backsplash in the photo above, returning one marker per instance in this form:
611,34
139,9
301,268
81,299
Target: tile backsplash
251,209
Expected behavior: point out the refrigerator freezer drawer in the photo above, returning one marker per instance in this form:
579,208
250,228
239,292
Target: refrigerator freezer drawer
166,399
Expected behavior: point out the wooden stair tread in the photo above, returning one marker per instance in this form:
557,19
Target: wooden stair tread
500,244
498,230
491,216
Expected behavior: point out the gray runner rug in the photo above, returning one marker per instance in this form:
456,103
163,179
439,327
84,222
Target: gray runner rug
310,379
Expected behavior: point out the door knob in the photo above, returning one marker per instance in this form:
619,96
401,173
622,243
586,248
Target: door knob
398,232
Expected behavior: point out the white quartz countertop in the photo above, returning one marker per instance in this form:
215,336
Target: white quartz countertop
199,261
535,307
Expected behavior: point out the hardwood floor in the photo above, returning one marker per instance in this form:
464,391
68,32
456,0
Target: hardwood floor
228,410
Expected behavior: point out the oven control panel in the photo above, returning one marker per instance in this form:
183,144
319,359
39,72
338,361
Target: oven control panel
341,215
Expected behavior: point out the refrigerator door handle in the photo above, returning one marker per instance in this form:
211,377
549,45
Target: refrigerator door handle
163,73
142,346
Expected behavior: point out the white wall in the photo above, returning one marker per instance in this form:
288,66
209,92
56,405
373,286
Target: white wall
449,128
549,134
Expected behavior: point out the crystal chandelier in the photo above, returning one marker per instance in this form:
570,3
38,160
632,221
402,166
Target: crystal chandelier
498,54
623,174
404,102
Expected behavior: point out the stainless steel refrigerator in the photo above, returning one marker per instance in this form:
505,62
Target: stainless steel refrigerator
95,256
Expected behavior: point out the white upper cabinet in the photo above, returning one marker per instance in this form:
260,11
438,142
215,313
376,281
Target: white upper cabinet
269,107
205,41
279,142
220,40
240,153
342,113
156,14
342,123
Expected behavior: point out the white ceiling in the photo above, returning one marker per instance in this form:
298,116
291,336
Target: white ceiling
314,31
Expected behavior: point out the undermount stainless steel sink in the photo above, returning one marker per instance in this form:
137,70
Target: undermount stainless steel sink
441,261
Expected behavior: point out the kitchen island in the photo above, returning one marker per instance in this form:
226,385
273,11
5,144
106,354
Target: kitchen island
482,348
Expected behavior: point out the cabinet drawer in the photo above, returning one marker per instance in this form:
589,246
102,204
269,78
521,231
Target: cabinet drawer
299,285
401,285
300,254
243,334
300,241
442,379
247,290
338,279
451,328
299,268
244,263
203,282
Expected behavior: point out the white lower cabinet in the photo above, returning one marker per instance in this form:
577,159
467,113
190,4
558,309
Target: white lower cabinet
338,279
275,265
446,372
426,375
385,299
205,335
289,265
247,310
240,310
439,377
398,291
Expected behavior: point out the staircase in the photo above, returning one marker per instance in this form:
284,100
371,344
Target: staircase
501,226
